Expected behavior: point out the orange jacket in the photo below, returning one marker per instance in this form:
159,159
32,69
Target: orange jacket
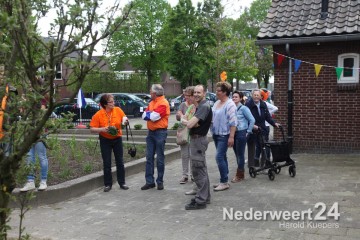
2,110
161,106
103,119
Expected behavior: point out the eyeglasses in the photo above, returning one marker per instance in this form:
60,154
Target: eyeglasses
111,101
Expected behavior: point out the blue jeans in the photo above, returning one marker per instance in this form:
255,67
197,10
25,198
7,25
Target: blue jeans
155,143
239,148
107,146
221,144
38,149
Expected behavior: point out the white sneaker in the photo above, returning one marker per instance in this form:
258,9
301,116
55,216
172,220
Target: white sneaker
222,187
28,186
42,186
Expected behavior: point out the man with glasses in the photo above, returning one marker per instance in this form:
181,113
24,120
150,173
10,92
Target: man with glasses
157,117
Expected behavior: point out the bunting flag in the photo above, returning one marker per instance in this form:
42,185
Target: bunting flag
317,69
280,59
297,64
339,71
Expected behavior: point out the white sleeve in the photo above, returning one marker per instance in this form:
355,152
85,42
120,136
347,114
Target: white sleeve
272,108
151,116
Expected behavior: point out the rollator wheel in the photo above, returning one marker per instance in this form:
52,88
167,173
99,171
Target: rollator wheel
292,171
271,174
252,172
277,169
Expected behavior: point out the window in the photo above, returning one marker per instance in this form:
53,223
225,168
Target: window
58,71
350,63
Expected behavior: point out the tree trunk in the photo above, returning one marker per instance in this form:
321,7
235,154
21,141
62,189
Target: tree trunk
149,78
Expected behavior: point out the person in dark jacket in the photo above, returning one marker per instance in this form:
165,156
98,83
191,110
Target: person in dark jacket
261,114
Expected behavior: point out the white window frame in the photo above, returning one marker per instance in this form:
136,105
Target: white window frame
355,77
60,71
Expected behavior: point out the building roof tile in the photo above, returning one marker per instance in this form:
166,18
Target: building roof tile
301,18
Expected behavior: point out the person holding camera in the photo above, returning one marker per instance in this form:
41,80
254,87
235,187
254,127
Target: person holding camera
107,123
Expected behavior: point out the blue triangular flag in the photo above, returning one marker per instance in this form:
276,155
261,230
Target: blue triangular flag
297,64
81,99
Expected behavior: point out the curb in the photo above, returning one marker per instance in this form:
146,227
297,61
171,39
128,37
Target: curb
80,186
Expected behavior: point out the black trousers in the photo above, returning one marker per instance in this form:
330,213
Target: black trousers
107,146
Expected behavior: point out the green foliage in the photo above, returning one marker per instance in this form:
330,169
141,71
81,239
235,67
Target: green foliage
138,126
248,25
100,81
87,167
65,172
189,40
134,83
137,42
112,131
30,62
90,145
175,126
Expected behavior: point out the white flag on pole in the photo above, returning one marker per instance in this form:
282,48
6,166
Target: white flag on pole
80,99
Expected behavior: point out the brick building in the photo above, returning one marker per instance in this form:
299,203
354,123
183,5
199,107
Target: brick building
322,34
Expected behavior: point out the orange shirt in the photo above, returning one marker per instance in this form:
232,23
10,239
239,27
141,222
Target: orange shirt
104,119
161,106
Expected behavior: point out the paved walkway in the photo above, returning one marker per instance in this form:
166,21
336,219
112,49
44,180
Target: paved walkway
153,214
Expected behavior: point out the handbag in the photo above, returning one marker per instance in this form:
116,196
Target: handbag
182,135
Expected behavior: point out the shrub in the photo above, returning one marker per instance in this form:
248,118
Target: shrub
138,126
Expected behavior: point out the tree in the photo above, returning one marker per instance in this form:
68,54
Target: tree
137,42
234,53
189,40
249,25
71,40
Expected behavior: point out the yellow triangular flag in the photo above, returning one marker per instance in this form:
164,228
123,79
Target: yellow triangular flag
317,69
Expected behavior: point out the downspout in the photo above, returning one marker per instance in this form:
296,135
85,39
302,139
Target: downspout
290,103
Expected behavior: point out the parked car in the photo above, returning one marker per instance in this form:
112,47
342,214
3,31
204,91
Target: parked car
129,103
86,112
144,96
247,94
175,103
211,98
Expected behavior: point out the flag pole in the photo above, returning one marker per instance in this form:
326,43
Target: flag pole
80,103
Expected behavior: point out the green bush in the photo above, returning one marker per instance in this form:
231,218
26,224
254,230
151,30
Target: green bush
138,126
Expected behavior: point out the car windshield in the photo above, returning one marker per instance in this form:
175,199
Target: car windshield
133,97
89,101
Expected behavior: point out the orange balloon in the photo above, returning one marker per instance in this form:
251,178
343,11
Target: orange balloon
223,76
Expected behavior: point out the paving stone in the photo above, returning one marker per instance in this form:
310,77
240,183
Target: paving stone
153,214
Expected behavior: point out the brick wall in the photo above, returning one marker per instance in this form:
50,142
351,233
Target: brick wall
326,116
